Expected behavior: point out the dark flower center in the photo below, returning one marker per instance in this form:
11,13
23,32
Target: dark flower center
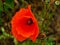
30,21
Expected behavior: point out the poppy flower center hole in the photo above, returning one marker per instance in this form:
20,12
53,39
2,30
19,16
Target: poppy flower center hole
29,22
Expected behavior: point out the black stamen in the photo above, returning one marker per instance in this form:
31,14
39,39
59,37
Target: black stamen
30,21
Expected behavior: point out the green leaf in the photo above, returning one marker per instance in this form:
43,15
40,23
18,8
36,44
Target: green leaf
1,8
45,27
8,7
50,41
1,22
47,1
1,5
10,3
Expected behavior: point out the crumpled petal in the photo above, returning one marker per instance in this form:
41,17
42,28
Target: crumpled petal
18,36
35,35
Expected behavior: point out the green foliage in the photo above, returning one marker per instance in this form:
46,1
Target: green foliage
1,5
47,1
1,8
1,22
9,7
9,4
44,19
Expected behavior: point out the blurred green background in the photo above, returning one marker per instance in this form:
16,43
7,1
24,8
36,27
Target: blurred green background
47,12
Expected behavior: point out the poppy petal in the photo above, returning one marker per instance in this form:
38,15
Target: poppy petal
33,37
18,36
22,28
25,33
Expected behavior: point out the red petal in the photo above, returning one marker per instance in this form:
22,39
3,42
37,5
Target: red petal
21,32
25,33
33,37
29,7
18,36
24,29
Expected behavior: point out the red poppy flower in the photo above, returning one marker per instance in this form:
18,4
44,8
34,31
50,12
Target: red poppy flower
24,25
